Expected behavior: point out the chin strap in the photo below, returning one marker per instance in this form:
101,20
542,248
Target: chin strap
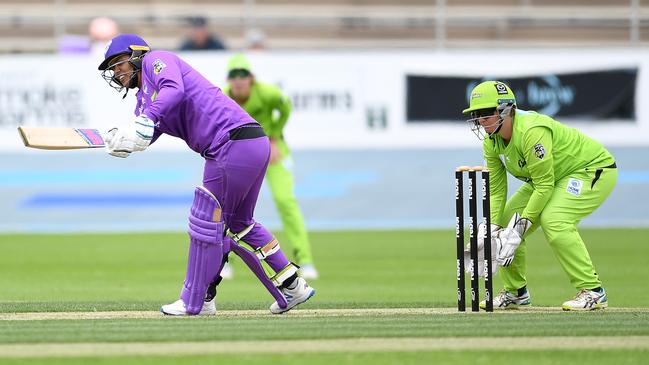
503,113
136,62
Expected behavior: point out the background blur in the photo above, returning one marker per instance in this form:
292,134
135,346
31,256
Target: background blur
377,87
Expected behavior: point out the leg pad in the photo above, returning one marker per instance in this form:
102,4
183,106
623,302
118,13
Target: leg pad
206,232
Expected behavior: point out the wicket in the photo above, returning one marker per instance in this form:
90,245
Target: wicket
473,237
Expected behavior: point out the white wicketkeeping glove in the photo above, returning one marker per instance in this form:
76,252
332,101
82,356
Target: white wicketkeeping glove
120,142
482,231
510,238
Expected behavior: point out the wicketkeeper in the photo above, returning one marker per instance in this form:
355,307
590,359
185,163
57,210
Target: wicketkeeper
175,99
567,176
271,108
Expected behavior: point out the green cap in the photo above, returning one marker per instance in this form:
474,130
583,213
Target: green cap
490,94
239,62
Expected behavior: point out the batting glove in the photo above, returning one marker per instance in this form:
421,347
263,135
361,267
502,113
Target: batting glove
113,146
120,142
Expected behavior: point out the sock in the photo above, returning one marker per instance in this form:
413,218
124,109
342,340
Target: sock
288,283
522,291
211,289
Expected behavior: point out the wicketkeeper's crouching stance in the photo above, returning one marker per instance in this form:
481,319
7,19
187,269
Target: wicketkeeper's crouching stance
175,99
567,176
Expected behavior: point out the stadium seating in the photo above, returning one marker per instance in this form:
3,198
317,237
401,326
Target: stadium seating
38,25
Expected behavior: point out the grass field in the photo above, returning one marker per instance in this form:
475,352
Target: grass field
384,298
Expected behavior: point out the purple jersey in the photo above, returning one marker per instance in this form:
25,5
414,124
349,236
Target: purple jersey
184,104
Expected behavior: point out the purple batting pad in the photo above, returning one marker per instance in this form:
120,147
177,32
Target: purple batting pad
205,249
254,264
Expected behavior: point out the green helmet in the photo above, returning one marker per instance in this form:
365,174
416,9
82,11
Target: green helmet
490,94
239,62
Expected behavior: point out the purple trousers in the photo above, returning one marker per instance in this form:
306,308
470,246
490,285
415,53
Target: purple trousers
234,176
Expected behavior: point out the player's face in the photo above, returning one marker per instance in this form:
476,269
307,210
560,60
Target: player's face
122,69
240,83
489,122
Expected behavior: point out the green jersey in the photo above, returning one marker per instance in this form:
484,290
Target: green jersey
268,106
541,151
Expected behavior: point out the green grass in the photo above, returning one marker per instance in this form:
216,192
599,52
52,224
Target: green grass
359,269
98,272
259,328
429,357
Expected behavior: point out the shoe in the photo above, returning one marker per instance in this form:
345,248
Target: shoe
177,308
308,271
587,300
226,272
508,300
298,294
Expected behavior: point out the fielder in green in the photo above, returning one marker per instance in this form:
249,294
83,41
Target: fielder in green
567,176
271,108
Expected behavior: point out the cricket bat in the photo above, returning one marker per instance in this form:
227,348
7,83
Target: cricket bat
61,138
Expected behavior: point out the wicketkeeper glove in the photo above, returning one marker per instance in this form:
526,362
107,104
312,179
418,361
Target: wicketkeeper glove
510,238
482,232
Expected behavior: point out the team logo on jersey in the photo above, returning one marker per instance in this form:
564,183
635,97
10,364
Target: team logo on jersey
158,66
539,151
501,88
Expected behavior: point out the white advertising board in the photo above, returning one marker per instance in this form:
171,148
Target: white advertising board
341,99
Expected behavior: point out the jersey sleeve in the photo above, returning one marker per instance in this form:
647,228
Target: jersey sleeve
166,78
497,183
281,109
537,151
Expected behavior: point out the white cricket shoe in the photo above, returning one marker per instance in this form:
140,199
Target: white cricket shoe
308,271
509,300
177,308
226,272
587,300
298,294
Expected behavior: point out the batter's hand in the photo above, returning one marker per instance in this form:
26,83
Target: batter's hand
112,139
120,142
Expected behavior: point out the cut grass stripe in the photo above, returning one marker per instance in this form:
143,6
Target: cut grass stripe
322,346
39,316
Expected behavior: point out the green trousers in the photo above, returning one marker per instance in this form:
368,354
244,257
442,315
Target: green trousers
280,179
574,198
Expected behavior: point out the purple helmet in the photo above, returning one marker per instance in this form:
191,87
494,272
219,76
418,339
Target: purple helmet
123,44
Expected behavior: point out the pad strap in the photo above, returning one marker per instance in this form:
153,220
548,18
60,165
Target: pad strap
284,274
268,249
236,237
